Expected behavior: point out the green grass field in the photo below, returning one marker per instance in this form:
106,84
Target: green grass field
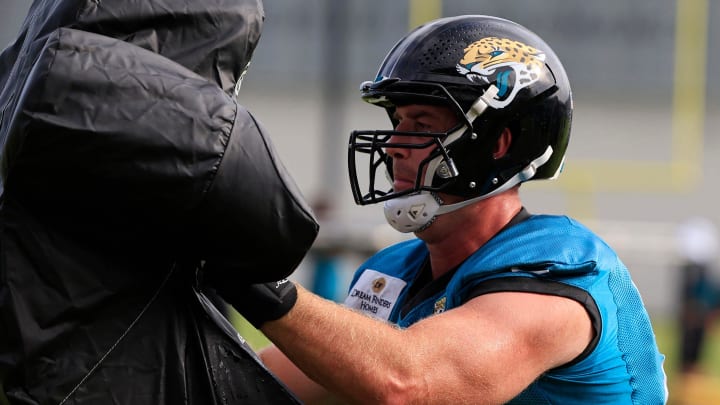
668,341
703,389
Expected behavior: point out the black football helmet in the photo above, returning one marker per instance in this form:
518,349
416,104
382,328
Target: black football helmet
495,74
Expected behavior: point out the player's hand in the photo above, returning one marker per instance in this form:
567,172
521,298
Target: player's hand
260,303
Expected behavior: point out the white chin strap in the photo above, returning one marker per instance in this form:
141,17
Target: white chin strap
416,212
411,213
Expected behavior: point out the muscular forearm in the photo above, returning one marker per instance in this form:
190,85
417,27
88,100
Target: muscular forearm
308,391
351,354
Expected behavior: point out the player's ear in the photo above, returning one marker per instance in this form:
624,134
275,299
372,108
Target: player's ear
503,144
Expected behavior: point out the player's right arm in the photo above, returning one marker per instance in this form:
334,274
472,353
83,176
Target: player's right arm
307,390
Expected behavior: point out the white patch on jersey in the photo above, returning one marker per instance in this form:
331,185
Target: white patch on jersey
375,294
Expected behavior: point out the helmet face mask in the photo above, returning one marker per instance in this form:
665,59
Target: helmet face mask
494,74
368,149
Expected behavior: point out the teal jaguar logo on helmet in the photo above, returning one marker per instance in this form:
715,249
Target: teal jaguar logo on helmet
509,64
